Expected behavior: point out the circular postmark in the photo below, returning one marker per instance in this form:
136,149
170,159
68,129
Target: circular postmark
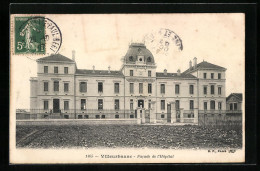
36,35
53,37
163,41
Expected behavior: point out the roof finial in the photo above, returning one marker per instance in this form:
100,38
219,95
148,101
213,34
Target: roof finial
93,69
109,69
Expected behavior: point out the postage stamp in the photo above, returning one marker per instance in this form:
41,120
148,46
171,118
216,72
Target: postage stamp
29,35
36,35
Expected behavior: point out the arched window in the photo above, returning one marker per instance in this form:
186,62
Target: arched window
149,59
131,58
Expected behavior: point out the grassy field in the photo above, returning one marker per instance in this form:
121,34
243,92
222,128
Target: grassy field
137,136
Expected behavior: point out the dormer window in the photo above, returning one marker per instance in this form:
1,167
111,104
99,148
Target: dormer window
149,59
131,58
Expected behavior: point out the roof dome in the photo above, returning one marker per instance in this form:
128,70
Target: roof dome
138,49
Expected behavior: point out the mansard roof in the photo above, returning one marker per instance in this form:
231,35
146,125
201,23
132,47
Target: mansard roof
138,49
55,58
175,75
237,95
204,65
99,73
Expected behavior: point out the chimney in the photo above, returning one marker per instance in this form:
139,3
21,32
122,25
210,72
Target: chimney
109,69
93,69
73,55
190,65
178,72
165,72
195,62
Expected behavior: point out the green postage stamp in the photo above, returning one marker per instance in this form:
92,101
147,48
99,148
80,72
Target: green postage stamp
29,35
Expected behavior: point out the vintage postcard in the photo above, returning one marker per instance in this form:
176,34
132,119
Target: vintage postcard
127,88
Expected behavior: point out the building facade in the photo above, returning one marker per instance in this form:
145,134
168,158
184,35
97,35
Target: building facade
134,91
234,104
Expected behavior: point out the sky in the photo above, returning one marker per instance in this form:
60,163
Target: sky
103,39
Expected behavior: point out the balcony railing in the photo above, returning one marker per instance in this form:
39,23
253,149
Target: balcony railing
212,111
234,111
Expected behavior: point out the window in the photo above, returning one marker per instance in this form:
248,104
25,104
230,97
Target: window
100,104
177,89
205,91
66,87
66,105
100,87
191,104
116,116
46,86
56,85
162,88
140,88
212,105
131,116
131,58
150,88
177,104
45,69
97,116
116,104
131,88
162,104
212,75
219,75
103,116
66,70
83,87
235,106
83,104
149,104
231,106
131,72
205,75
46,105
116,87
131,104
191,89
205,106
85,116
149,73
212,89
79,116
162,116
149,59
219,90
56,70
219,105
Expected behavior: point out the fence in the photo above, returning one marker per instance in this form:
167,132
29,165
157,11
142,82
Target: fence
220,120
27,114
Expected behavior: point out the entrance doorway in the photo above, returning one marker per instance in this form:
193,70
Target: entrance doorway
56,105
168,112
141,103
